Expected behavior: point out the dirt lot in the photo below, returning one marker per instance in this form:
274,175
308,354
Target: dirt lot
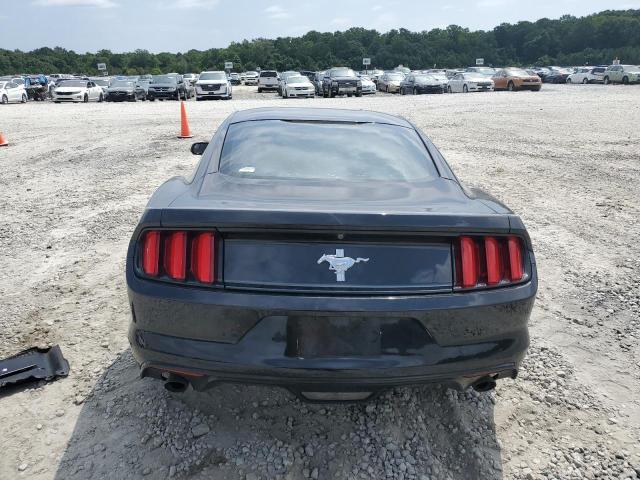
77,177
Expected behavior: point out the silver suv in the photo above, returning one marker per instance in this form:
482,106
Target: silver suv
268,80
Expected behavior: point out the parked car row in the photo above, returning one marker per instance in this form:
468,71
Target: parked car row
336,81
339,81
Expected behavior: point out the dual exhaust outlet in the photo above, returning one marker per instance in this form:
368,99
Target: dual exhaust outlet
177,384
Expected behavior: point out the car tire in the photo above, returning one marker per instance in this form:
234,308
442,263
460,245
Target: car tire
358,94
511,87
465,89
259,90
86,98
415,91
449,89
585,81
101,98
23,99
5,100
625,80
569,80
606,81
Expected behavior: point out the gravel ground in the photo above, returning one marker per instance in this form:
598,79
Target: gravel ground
77,177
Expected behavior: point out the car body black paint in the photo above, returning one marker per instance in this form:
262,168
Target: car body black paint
240,329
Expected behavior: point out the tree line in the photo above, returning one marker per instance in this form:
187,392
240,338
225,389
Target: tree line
569,40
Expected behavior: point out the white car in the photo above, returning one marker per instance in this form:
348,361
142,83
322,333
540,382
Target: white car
587,75
282,78
297,86
213,85
251,78
368,87
190,77
78,91
268,80
12,92
466,82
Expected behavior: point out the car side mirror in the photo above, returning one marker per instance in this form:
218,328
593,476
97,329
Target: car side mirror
198,148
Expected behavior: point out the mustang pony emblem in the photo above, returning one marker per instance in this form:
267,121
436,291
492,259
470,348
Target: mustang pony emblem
339,263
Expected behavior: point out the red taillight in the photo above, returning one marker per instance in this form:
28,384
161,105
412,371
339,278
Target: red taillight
492,253
489,261
203,257
151,253
180,255
175,255
469,262
515,259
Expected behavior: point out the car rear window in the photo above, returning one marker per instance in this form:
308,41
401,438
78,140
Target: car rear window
352,152
268,74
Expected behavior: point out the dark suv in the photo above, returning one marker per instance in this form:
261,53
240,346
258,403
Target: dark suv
341,81
169,87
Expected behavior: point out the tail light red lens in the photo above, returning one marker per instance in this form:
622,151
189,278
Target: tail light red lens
179,255
489,261
493,256
515,259
202,257
151,253
469,262
175,255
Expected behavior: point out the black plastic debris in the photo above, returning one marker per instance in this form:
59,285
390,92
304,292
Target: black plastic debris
33,364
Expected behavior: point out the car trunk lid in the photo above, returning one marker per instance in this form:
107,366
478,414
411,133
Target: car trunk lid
345,237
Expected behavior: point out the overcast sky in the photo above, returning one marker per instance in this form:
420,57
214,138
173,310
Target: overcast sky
181,25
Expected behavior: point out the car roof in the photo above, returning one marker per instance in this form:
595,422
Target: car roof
318,115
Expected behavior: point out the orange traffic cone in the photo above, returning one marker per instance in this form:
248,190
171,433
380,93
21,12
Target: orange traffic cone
3,141
184,123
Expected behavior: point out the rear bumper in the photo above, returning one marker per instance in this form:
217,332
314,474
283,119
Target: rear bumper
529,86
216,336
342,90
477,88
301,93
169,95
69,98
120,98
431,89
204,95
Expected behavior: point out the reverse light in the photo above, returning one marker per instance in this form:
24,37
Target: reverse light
488,261
183,256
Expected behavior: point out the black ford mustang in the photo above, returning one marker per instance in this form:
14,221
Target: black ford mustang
332,252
